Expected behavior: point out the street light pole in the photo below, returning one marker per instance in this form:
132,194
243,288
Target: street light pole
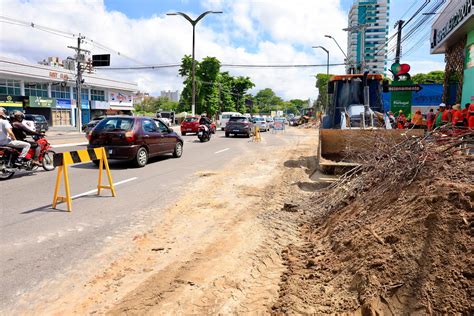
329,36
327,72
193,23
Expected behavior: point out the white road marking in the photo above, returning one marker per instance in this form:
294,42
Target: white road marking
95,190
221,151
69,145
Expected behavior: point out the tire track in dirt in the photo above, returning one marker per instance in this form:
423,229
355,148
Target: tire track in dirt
220,255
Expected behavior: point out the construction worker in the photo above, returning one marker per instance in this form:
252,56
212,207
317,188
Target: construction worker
401,120
457,117
465,113
442,117
470,119
430,118
417,120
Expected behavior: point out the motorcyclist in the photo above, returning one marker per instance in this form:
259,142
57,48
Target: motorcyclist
204,120
7,137
21,132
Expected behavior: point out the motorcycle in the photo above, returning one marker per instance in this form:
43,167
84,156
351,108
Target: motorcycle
9,155
204,133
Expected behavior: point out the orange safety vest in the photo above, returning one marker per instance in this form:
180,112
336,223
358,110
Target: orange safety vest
457,117
444,116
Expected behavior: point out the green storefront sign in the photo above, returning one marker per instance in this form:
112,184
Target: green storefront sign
41,102
401,100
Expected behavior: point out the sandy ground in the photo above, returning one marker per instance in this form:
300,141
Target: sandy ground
217,250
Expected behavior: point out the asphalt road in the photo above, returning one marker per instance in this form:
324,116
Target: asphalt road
38,242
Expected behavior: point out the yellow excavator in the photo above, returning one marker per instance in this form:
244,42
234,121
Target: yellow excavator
354,121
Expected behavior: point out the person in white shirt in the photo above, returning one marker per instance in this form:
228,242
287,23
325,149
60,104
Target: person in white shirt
7,138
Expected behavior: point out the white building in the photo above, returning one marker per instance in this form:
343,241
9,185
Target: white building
171,95
374,14
50,91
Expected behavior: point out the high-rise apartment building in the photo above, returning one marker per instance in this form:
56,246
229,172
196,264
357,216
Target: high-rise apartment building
368,31
171,95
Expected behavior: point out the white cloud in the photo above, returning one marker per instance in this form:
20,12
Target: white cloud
249,32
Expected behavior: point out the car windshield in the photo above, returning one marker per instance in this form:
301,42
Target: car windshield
191,119
238,119
39,118
111,124
259,119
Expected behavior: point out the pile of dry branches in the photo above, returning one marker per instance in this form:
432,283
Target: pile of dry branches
389,168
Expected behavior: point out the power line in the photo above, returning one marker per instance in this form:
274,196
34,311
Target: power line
153,67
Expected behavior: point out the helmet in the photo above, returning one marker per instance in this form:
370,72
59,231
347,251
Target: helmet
3,112
203,115
17,116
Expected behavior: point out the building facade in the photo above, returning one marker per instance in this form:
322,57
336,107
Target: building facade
452,34
368,32
171,95
49,90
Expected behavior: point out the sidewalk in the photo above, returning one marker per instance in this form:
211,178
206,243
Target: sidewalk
65,135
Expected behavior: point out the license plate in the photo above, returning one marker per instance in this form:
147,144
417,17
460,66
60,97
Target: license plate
110,151
189,129
200,133
235,130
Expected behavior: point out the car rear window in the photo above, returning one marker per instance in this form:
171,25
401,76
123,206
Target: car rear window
259,119
110,124
225,116
238,119
191,119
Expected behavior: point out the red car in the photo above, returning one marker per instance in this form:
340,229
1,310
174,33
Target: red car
191,125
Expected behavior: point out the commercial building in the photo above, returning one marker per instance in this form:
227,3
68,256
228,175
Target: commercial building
171,95
368,32
452,34
49,89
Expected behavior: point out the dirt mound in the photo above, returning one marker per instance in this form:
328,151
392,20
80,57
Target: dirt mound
394,237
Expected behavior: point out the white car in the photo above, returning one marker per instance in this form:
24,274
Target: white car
261,123
224,118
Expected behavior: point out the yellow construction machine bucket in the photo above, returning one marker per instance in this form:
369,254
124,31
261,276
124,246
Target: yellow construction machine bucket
340,150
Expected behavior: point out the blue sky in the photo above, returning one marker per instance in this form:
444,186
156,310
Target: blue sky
249,32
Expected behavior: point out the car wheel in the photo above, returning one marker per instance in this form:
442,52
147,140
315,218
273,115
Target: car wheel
96,162
247,135
222,128
183,134
227,134
141,158
178,150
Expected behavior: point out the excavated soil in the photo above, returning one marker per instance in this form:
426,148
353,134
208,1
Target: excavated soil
388,249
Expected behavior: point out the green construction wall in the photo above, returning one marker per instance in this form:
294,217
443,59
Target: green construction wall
468,85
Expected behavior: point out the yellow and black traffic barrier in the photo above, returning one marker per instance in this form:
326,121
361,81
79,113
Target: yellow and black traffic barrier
256,134
63,160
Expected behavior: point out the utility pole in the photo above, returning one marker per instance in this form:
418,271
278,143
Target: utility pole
79,59
399,41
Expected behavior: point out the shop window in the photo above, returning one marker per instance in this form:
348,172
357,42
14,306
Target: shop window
36,89
59,92
84,94
10,87
97,95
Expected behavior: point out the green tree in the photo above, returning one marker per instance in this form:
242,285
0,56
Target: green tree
240,86
436,76
227,103
322,86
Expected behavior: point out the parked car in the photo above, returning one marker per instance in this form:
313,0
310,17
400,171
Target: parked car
86,128
135,139
167,117
238,125
261,123
224,118
191,125
40,122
